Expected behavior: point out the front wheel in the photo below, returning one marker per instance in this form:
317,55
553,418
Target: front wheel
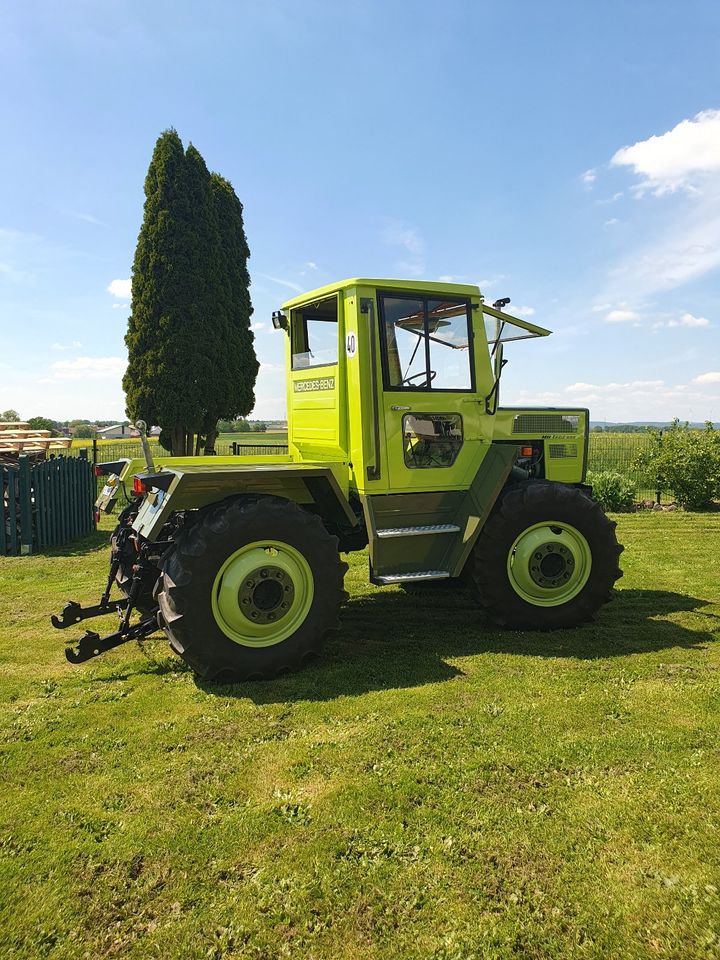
251,589
547,558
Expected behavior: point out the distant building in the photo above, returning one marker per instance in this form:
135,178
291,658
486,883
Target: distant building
118,431
124,431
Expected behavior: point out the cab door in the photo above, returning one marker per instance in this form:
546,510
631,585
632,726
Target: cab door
432,415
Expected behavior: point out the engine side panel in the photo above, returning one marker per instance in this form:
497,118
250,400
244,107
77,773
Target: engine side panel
558,435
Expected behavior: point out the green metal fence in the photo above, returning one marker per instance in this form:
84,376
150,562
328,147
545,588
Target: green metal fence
606,451
132,449
619,452
45,504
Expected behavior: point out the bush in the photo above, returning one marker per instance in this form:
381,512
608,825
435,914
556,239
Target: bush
685,461
612,490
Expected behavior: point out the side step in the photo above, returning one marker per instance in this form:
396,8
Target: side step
430,528
413,577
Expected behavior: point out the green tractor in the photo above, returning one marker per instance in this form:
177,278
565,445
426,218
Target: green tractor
397,443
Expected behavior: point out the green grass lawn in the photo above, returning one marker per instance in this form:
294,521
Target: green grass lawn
433,788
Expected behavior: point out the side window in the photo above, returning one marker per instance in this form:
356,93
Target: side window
315,334
431,439
426,343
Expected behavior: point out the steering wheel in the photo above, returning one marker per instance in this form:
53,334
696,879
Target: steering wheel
423,373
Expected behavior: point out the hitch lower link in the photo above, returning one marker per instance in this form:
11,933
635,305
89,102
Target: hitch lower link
91,644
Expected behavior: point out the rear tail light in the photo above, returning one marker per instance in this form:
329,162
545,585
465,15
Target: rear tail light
139,486
526,451
97,470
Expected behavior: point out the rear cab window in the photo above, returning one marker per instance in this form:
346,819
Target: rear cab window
315,334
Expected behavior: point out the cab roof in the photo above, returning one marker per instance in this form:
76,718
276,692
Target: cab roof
420,286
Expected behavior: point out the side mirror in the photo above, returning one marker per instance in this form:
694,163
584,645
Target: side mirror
279,320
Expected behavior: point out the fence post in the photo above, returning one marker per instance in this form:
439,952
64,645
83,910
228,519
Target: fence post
94,450
658,493
3,545
24,492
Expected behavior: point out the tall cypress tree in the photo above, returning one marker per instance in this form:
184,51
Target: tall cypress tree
235,395
191,354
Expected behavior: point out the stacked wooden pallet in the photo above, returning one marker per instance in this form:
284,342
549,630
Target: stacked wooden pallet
19,437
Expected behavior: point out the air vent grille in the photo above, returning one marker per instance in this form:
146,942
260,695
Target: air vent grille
525,423
562,451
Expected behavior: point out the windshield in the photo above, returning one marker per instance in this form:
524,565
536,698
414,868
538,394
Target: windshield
426,343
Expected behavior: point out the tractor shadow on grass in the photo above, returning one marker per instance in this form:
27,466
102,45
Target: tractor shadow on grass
83,545
392,640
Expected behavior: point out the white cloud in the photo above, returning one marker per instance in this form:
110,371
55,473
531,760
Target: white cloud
484,284
75,345
590,176
407,239
611,222
87,368
121,306
311,265
398,234
86,217
601,307
522,311
689,249
677,159
612,387
688,320
616,196
120,288
632,400
685,244
290,284
622,316
712,377
257,325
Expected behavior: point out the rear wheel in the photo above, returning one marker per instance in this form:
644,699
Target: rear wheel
251,590
547,558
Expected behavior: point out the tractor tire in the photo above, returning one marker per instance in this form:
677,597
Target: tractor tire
546,559
251,590
123,578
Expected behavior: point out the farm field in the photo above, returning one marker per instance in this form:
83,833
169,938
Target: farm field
432,788
223,438
606,451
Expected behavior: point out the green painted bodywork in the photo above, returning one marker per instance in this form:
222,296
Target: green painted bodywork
346,437
197,485
236,608
549,563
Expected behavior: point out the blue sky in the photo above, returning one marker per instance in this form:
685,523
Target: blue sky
565,154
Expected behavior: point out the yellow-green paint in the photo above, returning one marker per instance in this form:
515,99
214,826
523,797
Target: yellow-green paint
338,424
549,563
241,614
343,418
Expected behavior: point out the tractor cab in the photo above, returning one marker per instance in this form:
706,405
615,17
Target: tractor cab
398,379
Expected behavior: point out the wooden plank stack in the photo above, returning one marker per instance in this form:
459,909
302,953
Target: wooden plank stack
17,438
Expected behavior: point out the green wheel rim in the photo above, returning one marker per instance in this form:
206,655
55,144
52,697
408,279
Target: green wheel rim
262,593
549,563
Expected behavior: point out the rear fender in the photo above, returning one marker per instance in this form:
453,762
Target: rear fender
197,485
